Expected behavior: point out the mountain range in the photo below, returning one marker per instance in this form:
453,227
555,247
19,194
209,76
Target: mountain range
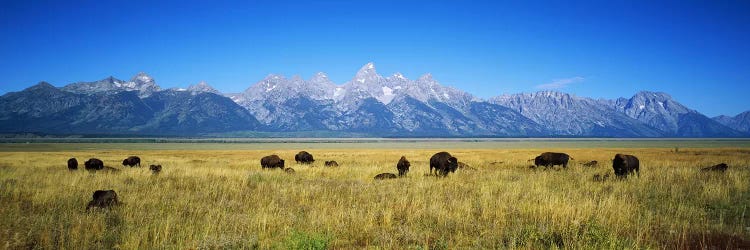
368,104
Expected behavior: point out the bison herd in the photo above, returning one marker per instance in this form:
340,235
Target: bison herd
443,163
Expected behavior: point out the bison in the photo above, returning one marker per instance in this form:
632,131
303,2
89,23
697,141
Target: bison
94,164
550,159
403,166
384,176
272,161
289,170
332,164
304,157
103,199
132,161
721,167
590,164
625,164
72,164
155,169
443,163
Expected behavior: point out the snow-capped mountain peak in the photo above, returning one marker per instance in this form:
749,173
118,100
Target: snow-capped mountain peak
367,74
202,86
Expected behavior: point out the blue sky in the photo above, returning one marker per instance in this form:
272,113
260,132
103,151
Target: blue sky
699,52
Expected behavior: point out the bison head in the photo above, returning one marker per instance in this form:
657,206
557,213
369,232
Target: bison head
281,163
452,164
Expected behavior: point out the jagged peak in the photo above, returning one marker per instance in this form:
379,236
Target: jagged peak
652,95
398,75
143,77
42,85
274,77
426,77
366,72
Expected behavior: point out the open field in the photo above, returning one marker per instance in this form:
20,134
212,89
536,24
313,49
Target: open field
216,196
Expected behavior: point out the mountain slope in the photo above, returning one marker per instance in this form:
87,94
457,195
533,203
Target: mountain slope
660,111
567,115
740,122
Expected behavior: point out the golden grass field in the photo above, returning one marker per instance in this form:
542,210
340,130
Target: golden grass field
208,199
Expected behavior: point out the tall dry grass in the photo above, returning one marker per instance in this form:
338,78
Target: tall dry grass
223,199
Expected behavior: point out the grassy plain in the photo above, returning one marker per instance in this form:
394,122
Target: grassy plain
216,196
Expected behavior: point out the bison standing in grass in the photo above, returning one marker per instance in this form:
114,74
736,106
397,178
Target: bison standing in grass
132,161
721,167
385,176
304,157
443,163
624,165
72,164
103,199
155,169
272,161
332,164
550,159
94,164
403,166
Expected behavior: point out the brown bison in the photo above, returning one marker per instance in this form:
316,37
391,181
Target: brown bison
721,167
384,176
72,164
625,164
103,199
550,159
591,164
443,163
289,170
272,161
304,157
155,169
94,164
132,161
403,166
332,164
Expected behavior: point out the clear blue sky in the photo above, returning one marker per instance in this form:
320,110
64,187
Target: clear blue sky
699,52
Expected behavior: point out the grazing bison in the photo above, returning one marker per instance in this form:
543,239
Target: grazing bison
721,167
272,161
384,176
72,164
550,159
590,164
403,166
132,161
94,164
625,164
599,177
332,164
289,170
155,169
304,157
443,163
103,199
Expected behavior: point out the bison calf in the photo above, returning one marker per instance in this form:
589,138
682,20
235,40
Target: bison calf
384,176
332,164
132,161
624,165
304,157
272,161
72,164
289,170
721,167
155,169
103,199
403,166
590,164
443,163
